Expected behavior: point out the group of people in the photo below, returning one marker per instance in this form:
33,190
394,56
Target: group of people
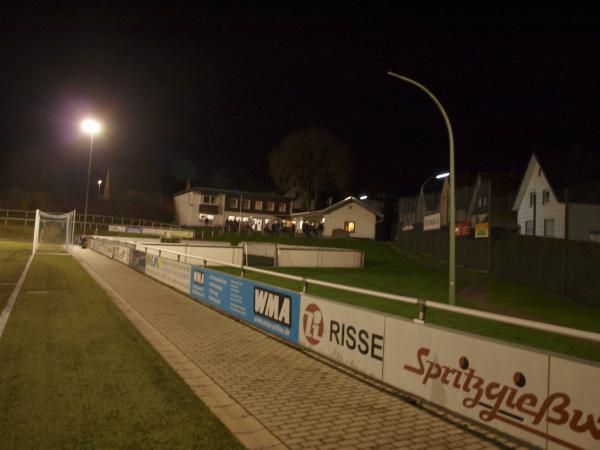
309,229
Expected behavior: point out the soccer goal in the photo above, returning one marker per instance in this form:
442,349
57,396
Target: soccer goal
53,232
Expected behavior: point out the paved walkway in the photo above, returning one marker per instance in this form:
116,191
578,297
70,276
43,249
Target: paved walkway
269,394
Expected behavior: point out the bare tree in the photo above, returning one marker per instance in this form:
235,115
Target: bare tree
310,160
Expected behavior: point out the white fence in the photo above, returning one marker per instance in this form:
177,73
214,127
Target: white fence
306,256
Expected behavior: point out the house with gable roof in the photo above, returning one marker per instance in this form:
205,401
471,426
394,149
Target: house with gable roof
560,195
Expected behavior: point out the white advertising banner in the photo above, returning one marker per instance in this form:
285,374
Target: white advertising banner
432,222
121,253
171,273
501,386
573,405
348,335
165,232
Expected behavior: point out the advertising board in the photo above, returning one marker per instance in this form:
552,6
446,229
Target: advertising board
432,222
137,260
463,229
121,253
171,273
270,308
572,406
493,383
349,335
164,232
482,230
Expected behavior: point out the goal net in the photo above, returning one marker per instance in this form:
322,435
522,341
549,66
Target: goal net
53,233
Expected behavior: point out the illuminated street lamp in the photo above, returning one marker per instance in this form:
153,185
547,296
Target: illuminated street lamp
91,127
99,184
452,225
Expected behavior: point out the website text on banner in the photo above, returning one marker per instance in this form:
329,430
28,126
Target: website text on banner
270,308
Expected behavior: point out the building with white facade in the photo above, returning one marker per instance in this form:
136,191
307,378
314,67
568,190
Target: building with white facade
555,199
202,206
351,217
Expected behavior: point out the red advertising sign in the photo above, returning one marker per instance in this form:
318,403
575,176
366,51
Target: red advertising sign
463,229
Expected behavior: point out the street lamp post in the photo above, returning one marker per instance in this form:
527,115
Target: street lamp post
452,225
91,127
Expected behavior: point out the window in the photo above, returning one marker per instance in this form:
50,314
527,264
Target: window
270,206
532,199
246,204
234,203
282,207
349,227
549,227
209,200
258,204
545,196
482,201
529,227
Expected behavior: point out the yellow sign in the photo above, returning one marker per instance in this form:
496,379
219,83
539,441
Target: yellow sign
482,230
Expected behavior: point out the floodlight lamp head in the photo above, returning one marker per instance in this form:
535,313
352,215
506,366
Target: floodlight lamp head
91,126
442,175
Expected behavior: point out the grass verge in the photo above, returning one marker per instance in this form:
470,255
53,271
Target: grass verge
76,374
13,257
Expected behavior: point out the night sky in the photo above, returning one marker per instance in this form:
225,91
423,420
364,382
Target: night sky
221,85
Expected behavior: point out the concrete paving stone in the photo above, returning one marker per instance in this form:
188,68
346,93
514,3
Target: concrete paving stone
241,424
328,446
418,446
234,411
311,443
257,439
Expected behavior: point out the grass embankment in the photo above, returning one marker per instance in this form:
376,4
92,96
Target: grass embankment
388,271
13,257
76,374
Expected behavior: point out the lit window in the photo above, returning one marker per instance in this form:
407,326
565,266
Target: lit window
349,227
282,207
270,206
545,196
258,204
233,202
549,227
246,204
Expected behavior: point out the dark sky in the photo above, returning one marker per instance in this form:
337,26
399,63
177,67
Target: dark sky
221,85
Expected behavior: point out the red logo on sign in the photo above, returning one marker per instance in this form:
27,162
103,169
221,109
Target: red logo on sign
312,324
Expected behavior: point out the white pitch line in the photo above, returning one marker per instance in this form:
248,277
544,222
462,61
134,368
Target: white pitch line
13,297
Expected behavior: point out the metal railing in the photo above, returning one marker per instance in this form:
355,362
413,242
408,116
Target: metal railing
422,303
26,217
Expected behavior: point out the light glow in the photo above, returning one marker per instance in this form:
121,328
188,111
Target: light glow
442,175
363,197
99,182
91,126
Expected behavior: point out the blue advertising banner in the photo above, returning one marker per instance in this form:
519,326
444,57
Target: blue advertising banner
271,308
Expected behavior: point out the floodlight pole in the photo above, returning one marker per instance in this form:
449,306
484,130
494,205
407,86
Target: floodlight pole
452,225
87,186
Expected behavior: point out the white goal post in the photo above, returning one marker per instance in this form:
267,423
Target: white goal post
53,233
